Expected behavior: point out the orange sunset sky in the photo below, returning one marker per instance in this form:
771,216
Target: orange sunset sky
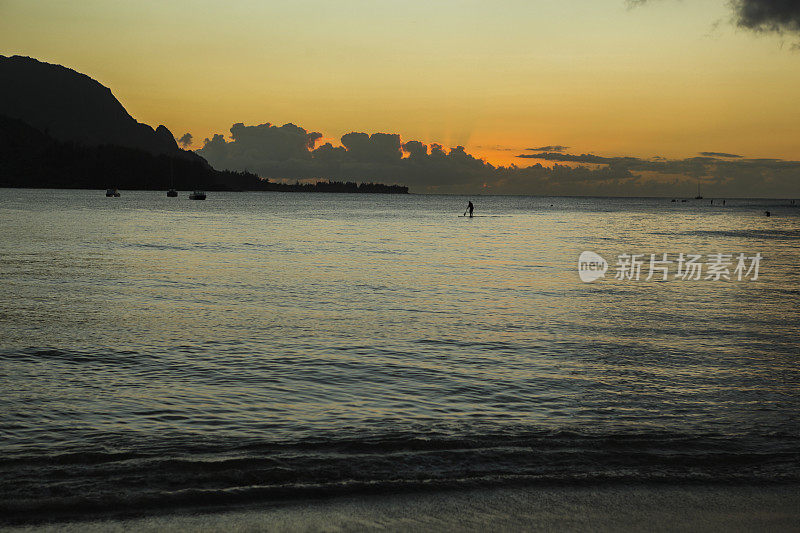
665,78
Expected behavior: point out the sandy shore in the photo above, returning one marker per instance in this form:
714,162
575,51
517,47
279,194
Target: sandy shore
650,508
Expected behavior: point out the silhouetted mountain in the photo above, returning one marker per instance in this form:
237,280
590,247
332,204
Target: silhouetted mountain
70,106
62,129
31,158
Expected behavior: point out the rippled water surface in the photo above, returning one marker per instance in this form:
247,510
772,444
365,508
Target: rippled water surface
160,352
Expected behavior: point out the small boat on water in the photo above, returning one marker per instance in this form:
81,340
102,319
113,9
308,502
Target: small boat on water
197,195
112,193
171,193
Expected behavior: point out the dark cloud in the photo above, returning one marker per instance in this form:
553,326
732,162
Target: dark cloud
185,140
279,143
776,16
415,149
558,156
781,16
375,148
553,148
290,152
265,149
719,154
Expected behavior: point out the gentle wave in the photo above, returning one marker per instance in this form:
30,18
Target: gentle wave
185,473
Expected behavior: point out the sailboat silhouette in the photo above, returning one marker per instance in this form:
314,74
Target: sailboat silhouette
699,196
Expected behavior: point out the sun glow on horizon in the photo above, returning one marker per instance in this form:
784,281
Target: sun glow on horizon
595,76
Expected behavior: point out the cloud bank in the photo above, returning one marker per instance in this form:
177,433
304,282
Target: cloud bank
552,148
719,154
290,152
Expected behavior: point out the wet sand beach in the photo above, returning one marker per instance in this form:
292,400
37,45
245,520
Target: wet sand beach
609,508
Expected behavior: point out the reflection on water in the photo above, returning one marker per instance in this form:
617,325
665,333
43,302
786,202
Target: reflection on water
300,333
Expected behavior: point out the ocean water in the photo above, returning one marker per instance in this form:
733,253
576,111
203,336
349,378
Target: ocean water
162,353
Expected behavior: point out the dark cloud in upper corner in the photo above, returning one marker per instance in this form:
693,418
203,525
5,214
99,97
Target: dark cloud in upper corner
553,148
720,154
780,16
185,140
775,16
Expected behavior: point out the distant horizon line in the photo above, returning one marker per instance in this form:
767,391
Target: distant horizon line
687,199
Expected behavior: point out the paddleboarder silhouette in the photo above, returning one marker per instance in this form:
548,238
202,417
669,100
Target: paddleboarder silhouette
470,207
